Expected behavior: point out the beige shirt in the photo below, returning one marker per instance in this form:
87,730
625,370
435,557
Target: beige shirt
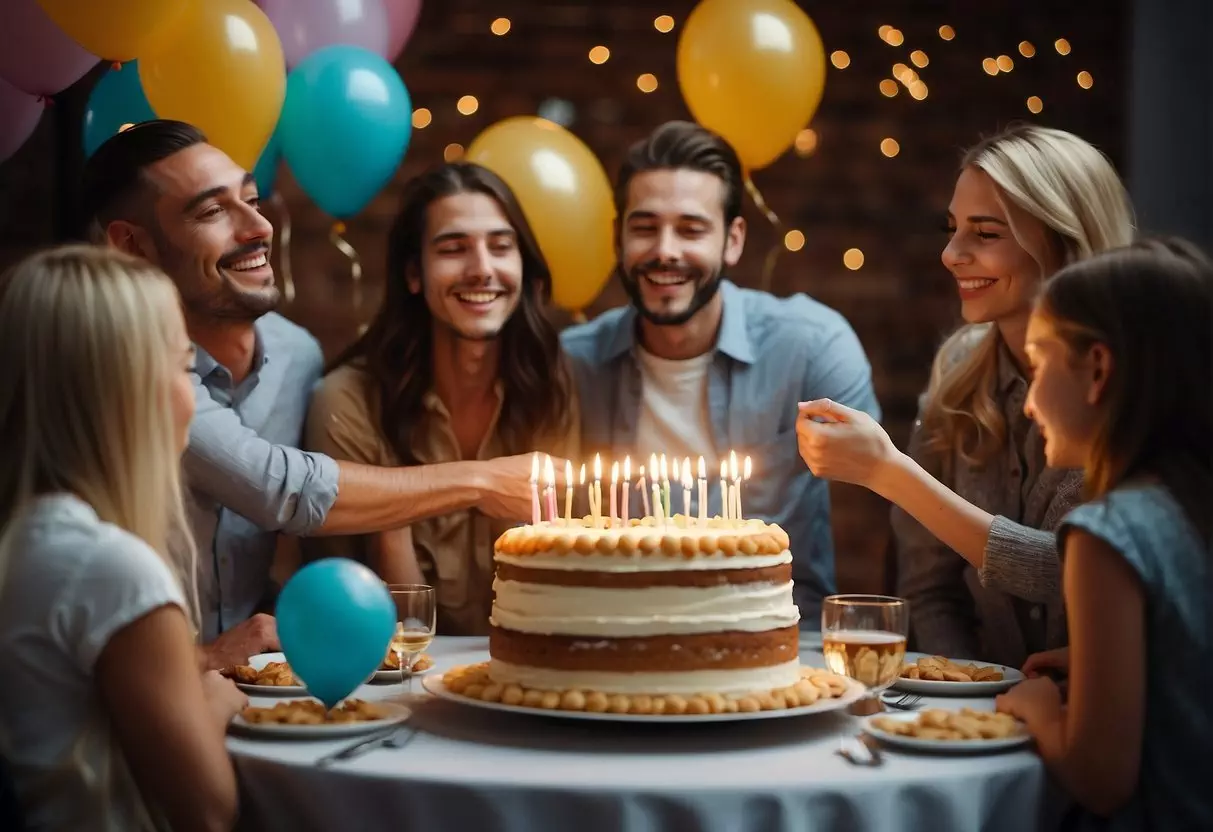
454,551
674,418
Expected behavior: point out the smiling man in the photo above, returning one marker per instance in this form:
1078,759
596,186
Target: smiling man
460,364
697,366
160,191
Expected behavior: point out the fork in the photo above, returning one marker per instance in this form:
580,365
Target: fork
870,759
904,701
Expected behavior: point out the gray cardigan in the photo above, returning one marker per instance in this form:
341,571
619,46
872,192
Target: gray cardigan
1012,607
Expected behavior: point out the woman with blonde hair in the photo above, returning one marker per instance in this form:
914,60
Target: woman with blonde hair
104,713
974,504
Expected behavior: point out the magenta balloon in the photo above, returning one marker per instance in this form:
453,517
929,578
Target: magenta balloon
36,56
401,21
304,26
19,114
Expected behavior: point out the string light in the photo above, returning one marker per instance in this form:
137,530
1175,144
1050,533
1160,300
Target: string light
422,118
599,55
663,23
894,38
1005,63
793,240
888,87
904,74
467,105
1035,105
806,142
646,82
500,26
890,147
840,59
918,90
852,258
990,66
1085,80
1062,46
946,32
883,31
919,58
453,152
1026,49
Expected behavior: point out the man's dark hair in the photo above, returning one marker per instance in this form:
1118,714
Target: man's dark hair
114,173
683,144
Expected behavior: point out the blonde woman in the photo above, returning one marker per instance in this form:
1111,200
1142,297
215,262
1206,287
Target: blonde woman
974,504
105,719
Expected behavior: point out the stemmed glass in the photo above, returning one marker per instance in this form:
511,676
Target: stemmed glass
864,637
416,618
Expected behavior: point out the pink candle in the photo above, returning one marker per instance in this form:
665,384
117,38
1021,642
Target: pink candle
535,489
549,475
614,488
625,493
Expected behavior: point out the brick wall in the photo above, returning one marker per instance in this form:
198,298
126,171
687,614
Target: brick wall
845,194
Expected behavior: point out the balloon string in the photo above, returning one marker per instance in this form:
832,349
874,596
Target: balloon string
768,265
284,252
355,262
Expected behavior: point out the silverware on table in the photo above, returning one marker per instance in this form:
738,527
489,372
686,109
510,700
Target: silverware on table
398,736
900,700
860,750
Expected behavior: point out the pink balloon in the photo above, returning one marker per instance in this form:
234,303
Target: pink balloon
36,56
19,114
304,26
401,21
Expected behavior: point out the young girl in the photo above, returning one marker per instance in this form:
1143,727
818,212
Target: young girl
1120,347
975,507
105,719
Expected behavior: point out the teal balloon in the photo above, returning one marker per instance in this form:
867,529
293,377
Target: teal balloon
117,99
345,126
266,170
335,622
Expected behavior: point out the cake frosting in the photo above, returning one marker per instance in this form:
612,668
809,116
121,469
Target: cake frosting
679,607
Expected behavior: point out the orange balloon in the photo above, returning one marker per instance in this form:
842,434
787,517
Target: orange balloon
117,30
221,69
566,197
752,71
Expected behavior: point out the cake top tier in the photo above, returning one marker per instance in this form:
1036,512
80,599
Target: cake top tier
677,536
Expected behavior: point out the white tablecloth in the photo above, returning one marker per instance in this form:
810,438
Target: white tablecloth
473,769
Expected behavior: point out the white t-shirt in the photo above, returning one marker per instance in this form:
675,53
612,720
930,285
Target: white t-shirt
674,418
71,584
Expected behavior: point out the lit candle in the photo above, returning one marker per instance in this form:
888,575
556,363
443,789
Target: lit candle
656,486
614,488
535,489
734,504
745,475
686,489
597,488
568,492
549,475
581,482
665,488
703,492
643,487
625,495
725,502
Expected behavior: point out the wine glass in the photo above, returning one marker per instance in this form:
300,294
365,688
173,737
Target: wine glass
864,637
416,616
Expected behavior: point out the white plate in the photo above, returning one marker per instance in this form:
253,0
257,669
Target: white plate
395,714
1010,678
952,746
261,660
853,692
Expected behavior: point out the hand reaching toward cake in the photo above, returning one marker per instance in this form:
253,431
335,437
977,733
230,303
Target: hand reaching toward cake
504,485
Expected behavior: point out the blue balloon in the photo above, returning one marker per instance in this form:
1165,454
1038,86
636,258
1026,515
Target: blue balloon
345,125
116,100
266,169
335,622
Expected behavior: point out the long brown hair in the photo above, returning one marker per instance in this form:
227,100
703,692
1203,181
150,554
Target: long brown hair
397,348
1073,190
1151,305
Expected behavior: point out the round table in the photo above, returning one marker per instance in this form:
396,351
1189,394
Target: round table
474,769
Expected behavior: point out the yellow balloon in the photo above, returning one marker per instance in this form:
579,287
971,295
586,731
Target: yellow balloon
117,30
566,197
752,71
221,69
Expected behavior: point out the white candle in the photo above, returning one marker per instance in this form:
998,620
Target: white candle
703,492
745,475
625,496
643,487
734,504
725,502
614,488
597,488
582,483
686,489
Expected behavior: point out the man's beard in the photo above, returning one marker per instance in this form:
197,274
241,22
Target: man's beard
705,289
225,301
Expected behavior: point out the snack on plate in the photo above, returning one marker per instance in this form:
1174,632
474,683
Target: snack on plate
312,712
965,724
422,663
476,682
939,669
274,674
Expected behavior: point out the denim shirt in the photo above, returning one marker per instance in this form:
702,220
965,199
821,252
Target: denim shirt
770,354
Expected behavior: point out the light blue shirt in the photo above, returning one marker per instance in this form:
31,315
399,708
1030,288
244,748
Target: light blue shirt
771,353
247,478
1148,528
